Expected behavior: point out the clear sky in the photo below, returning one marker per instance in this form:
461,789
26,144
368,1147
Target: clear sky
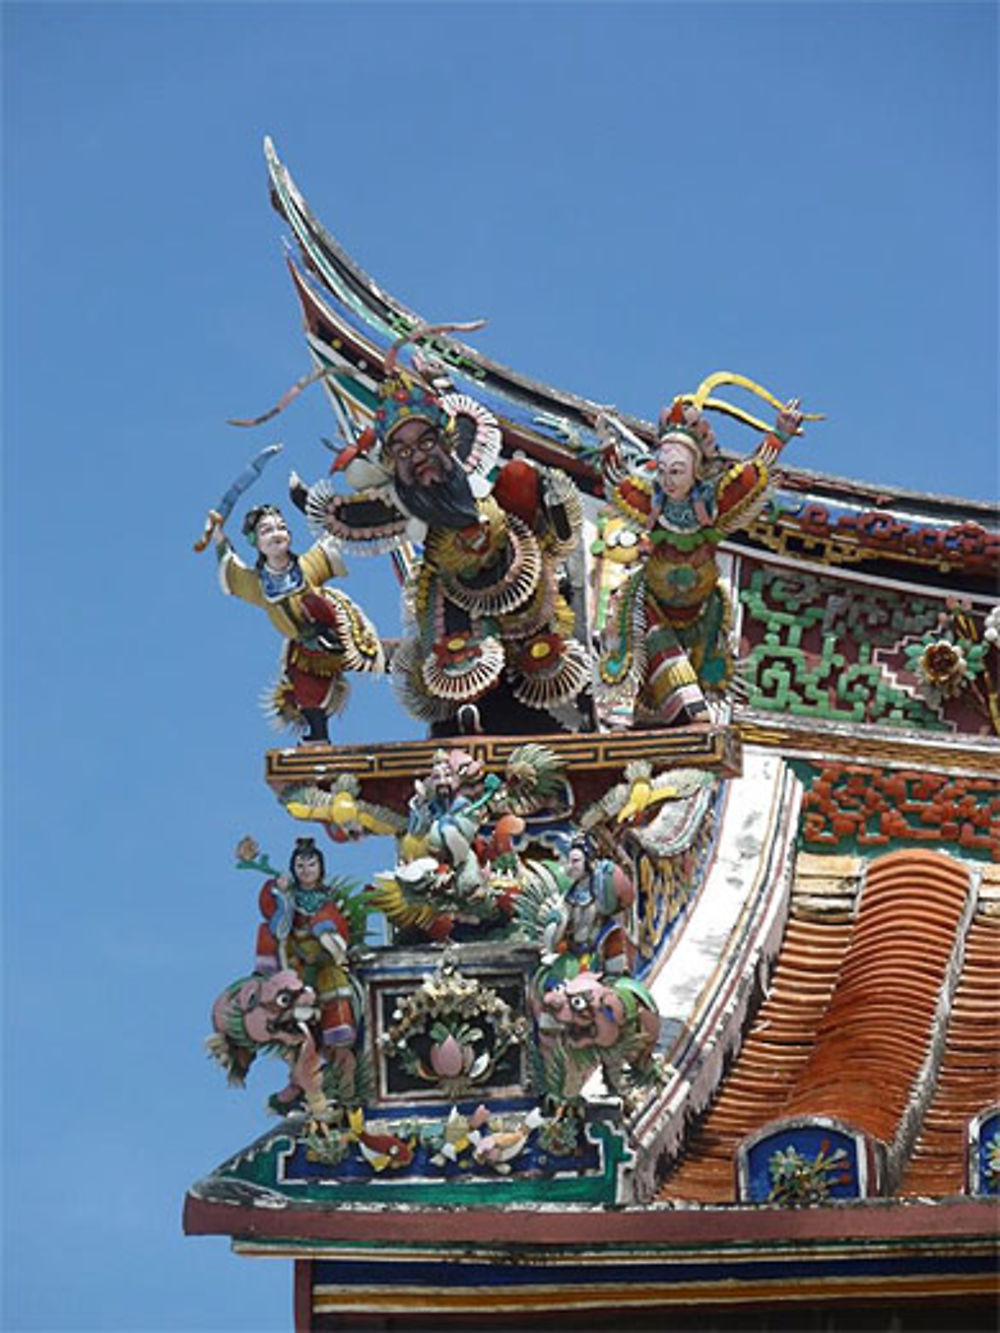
633,194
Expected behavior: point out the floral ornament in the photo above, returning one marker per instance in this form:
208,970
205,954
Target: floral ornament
991,1164
550,671
456,649
540,654
561,1135
247,849
943,667
951,660
796,1180
330,1148
248,857
452,1031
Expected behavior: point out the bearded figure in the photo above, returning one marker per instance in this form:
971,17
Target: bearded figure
489,632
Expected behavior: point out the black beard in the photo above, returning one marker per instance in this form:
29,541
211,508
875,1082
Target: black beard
445,504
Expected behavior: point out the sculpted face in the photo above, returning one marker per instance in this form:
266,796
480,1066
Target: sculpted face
443,781
576,863
418,454
675,469
273,538
268,1009
430,484
589,1012
308,870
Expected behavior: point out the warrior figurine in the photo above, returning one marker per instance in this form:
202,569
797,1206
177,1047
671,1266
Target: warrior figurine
306,927
596,892
489,642
327,633
666,640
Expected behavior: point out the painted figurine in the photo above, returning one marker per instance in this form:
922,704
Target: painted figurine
445,876
458,866
307,927
665,644
326,633
585,922
490,635
445,812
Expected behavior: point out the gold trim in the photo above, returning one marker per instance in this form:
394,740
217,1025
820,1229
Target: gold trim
715,748
829,1288
896,751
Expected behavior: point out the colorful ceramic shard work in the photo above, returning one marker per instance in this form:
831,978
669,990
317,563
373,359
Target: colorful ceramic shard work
803,1164
685,911
984,1149
991,1165
852,807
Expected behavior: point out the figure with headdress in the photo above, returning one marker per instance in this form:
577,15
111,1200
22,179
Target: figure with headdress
326,633
666,642
308,924
576,910
489,642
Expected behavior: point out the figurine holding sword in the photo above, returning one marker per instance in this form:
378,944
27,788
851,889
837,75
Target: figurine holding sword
326,633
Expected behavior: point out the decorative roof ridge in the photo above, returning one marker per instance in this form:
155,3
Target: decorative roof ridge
846,574
951,753
288,202
925,1083
878,493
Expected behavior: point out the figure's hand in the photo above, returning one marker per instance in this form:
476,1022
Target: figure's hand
335,945
789,420
213,530
283,882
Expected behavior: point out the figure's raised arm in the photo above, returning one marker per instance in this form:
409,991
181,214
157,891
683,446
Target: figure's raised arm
743,488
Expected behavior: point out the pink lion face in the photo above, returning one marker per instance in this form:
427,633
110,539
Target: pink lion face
589,1011
275,1008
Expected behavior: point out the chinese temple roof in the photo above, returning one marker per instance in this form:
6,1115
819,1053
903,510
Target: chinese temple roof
812,906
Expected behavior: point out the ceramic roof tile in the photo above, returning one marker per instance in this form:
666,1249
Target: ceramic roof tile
969,1076
759,1082
847,1021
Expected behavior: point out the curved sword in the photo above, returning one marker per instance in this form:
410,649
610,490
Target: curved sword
242,483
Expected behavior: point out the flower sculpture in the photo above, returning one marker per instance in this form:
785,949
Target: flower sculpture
943,666
452,1031
797,1180
958,660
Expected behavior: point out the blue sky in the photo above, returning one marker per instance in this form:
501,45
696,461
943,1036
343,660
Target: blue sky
634,195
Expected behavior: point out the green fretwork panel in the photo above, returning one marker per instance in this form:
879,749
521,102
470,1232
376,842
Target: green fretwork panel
837,678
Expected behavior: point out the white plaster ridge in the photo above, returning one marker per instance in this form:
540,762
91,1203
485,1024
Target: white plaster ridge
718,963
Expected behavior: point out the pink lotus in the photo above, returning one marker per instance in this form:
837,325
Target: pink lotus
446,1057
